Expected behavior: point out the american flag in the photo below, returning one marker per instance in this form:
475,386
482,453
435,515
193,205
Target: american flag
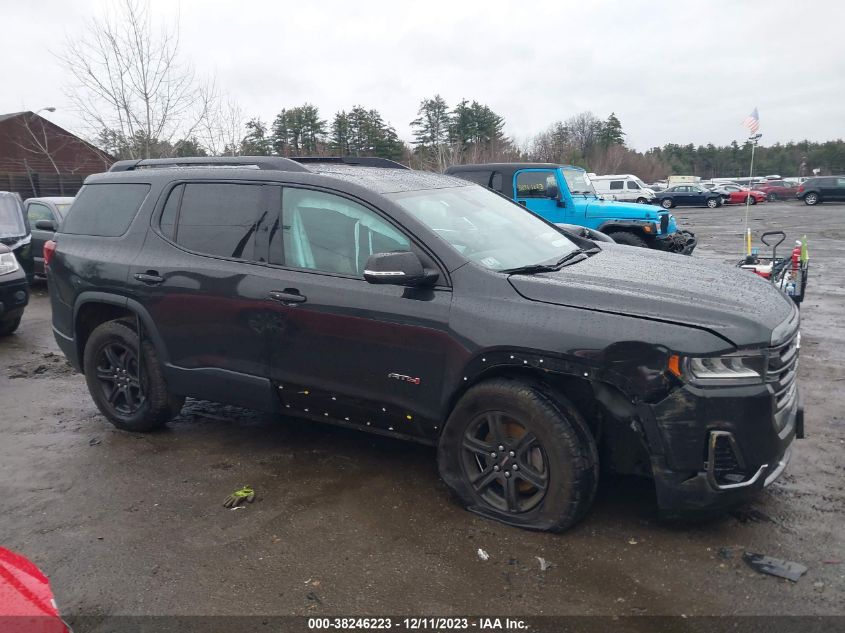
752,121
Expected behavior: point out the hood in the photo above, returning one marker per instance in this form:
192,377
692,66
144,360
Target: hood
611,209
735,304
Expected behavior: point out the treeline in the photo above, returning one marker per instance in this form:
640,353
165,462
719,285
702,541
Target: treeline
471,132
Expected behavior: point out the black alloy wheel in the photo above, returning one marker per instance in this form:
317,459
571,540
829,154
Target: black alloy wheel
505,463
119,378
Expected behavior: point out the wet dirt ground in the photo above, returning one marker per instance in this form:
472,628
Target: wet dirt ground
346,523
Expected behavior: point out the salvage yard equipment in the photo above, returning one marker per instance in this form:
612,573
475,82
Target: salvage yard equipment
787,273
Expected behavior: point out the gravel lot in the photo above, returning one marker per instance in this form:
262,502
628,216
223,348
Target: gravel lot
351,524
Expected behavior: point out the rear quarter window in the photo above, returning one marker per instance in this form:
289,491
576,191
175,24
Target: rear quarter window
105,210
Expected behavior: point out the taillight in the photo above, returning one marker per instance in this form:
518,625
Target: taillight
800,188
49,251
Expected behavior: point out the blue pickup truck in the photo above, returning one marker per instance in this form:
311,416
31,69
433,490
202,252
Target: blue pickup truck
563,194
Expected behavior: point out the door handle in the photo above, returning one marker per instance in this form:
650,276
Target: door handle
287,296
150,277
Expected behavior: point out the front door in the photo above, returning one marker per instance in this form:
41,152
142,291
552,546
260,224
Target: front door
533,188
342,349
36,211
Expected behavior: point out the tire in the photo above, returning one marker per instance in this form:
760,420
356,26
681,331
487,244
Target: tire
811,199
772,197
7,327
752,200
667,203
627,238
541,441
642,201
712,203
131,402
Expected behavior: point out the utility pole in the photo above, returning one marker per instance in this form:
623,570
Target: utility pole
754,139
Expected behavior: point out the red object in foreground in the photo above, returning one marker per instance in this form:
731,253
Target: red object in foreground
26,601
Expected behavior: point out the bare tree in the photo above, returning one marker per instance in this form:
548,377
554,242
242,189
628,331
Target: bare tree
38,141
130,81
222,129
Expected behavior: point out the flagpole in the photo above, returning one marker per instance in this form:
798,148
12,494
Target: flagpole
754,140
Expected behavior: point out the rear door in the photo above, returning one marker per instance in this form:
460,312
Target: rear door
533,187
200,276
839,190
342,349
36,211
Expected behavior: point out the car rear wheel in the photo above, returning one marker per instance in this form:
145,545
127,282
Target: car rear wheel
772,197
512,453
132,395
627,238
667,203
7,327
811,199
642,201
712,203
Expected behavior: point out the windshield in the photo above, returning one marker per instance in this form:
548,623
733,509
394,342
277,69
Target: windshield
485,227
11,218
578,182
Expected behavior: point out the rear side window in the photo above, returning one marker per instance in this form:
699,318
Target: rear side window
105,210
218,219
616,184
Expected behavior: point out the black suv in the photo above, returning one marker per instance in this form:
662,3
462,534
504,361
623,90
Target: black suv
421,306
823,189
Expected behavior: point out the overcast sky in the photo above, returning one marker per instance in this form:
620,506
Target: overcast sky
671,71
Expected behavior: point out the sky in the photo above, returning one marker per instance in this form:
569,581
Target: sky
681,71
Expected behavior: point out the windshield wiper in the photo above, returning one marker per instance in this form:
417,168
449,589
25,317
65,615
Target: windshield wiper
530,269
576,256
572,257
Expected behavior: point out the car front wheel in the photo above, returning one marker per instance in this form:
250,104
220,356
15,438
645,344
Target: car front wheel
667,203
811,199
129,390
7,327
512,452
713,203
752,200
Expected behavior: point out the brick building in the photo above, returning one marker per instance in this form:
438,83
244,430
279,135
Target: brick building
38,158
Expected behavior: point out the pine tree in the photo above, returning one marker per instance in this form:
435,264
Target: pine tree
256,142
610,132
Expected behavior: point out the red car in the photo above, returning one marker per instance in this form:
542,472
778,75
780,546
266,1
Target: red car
733,194
777,190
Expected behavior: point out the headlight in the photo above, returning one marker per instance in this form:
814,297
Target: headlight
714,371
8,263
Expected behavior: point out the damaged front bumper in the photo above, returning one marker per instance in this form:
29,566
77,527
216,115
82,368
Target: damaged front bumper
721,449
683,242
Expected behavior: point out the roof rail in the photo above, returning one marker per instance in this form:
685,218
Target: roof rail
360,161
247,162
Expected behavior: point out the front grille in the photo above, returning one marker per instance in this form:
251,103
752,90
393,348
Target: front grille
781,372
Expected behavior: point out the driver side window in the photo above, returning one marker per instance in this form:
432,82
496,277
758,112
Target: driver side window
325,232
533,184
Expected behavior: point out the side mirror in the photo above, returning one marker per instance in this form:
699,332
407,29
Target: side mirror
45,225
553,192
398,269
